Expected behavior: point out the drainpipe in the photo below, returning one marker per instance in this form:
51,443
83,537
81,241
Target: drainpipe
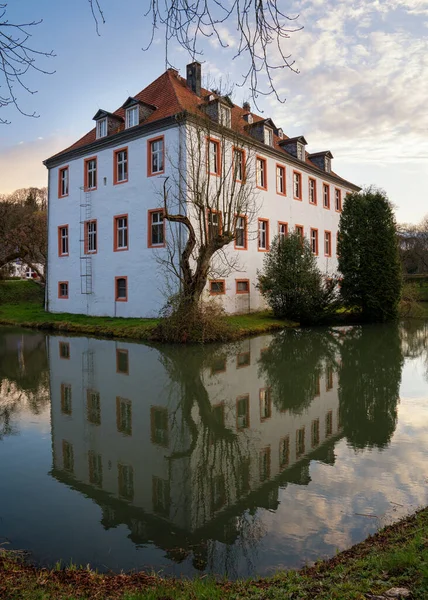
181,167
48,248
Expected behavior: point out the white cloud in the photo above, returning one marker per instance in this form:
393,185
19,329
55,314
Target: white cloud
363,79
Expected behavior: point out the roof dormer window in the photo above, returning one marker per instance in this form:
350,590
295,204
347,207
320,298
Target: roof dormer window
268,136
327,164
280,133
101,128
224,116
300,151
132,117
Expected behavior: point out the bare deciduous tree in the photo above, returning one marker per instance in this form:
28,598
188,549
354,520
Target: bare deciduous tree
414,246
17,58
211,196
259,27
23,233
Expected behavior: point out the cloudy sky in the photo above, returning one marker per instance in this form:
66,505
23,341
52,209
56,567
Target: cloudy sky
361,90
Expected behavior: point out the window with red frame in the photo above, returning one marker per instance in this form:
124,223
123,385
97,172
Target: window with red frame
282,230
63,182
338,199
214,223
239,164
241,233
63,240
121,166
217,286
214,157
263,237
297,185
261,173
327,243
156,156
121,232
312,191
91,174
156,228
63,289
326,195
280,180
121,292
314,241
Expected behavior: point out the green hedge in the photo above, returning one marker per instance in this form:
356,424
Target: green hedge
18,292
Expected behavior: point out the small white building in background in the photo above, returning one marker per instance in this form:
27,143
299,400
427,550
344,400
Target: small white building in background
20,269
106,229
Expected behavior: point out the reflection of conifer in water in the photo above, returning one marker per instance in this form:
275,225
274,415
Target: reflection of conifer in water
294,363
369,383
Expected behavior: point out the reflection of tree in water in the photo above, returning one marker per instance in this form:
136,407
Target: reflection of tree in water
370,378
293,364
24,377
414,333
218,466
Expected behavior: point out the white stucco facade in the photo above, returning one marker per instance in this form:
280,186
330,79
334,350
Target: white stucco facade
139,263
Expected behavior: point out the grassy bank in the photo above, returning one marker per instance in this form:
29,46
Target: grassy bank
397,556
21,304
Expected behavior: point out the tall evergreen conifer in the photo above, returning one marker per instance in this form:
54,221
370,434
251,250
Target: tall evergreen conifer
368,255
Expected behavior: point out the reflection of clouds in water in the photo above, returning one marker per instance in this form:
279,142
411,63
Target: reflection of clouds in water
413,379
373,482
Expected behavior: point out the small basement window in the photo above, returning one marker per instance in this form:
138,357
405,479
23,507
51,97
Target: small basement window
121,289
217,286
242,286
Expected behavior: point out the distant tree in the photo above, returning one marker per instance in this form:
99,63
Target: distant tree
369,261
23,234
292,284
413,244
23,195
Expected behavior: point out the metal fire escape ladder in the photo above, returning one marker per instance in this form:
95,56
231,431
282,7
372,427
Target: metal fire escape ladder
85,258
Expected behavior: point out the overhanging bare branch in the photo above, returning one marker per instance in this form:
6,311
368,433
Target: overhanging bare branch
17,58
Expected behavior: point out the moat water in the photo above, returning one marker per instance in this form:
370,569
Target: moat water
233,460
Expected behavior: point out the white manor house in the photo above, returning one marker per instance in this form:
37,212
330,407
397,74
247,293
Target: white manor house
106,227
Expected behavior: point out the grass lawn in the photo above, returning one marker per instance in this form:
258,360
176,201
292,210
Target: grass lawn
397,556
21,304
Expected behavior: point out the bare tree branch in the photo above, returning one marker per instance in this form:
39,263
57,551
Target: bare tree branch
260,28
17,58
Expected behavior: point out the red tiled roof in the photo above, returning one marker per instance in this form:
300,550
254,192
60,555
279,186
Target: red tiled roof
171,95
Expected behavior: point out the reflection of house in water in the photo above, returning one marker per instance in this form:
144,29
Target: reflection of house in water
177,449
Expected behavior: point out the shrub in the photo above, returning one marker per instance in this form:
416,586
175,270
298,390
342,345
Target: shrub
368,255
292,284
204,322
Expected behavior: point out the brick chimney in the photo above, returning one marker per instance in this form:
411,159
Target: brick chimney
193,77
246,106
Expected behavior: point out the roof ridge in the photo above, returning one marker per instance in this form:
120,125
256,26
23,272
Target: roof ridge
168,72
